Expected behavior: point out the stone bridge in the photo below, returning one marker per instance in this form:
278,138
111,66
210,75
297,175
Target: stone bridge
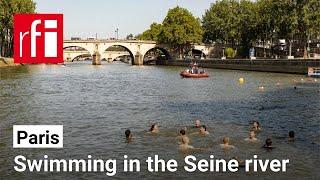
136,49
73,55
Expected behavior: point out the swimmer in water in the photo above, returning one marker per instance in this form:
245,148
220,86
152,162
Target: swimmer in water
291,135
203,130
184,146
252,137
226,145
154,129
268,144
182,133
128,135
197,123
256,126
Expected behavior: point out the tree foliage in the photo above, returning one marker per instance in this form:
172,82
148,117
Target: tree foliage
152,33
245,22
220,22
311,17
178,30
180,27
7,9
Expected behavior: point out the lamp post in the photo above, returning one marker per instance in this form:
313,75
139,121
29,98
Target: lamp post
117,33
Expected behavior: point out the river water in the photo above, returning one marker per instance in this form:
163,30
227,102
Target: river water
96,104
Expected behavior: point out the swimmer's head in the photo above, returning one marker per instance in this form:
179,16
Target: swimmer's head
268,142
197,123
291,134
256,124
252,134
226,140
183,132
203,128
128,134
154,127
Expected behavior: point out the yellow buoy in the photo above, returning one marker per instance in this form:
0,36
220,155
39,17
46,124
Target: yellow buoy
241,80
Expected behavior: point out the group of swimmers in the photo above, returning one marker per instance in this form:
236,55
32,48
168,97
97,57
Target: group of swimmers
202,131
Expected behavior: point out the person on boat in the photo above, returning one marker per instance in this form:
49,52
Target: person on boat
256,126
128,135
154,129
268,144
291,135
192,70
226,143
196,70
252,137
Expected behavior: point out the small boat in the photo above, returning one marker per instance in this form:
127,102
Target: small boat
194,72
314,72
187,74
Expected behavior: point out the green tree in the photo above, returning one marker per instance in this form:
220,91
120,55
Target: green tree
231,22
180,29
266,24
286,19
152,33
248,18
311,18
7,9
221,22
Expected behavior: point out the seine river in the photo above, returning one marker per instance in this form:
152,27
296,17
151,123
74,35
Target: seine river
96,104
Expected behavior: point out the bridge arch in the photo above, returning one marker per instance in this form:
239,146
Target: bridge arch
83,56
119,47
198,53
71,52
156,53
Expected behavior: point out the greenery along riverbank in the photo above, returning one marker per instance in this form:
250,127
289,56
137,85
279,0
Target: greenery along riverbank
240,24
7,9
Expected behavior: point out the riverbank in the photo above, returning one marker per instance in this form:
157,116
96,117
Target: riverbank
295,66
5,62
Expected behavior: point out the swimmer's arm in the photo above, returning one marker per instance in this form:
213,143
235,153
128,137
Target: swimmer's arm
201,149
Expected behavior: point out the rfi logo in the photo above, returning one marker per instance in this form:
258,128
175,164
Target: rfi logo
38,38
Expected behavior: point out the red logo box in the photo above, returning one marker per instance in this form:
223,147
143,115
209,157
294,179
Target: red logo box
38,38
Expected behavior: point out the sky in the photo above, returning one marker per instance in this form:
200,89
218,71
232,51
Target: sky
85,18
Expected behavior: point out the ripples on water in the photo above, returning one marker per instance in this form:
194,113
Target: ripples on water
97,103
